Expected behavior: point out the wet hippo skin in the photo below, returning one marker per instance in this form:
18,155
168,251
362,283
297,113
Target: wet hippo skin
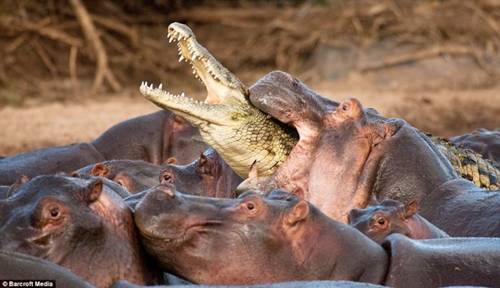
153,138
208,175
133,175
462,209
80,224
380,220
443,262
3,191
17,266
47,161
483,141
295,284
347,156
253,239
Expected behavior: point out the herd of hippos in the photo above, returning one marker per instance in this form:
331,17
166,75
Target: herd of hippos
191,196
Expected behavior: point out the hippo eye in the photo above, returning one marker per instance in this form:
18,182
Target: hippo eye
381,221
250,206
167,178
55,212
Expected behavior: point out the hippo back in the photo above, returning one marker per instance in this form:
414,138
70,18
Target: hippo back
482,141
47,161
463,210
442,262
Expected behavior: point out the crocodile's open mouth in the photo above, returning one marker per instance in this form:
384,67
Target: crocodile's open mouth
222,86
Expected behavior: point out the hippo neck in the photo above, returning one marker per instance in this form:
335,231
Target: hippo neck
113,256
338,263
337,188
407,175
420,228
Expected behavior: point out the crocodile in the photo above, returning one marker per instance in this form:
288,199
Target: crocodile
227,121
244,135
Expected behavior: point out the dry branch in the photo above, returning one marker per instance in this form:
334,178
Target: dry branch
73,56
102,72
52,33
45,58
423,54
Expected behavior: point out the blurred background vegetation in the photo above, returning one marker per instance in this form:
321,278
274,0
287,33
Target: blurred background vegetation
69,69
49,53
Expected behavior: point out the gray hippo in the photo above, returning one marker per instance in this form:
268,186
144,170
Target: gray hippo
391,216
258,239
154,138
79,224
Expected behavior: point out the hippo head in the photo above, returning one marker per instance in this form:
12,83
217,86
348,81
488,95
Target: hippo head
41,216
378,221
133,175
214,240
208,175
77,223
346,155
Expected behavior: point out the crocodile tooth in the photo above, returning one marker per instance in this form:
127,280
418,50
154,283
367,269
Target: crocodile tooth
160,86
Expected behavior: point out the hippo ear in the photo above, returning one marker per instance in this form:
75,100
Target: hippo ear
94,190
171,160
206,165
100,169
411,208
299,212
353,214
253,173
351,108
19,182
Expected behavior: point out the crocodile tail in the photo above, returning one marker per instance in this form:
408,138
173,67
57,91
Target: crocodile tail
469,164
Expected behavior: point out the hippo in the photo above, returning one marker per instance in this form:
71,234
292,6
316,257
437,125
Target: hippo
348,156
18,266
7,190
442,262
4,189
79,224
134,175
293,284
253,239
154,138
280,237
483,141
47,161
208,175
391,216
461,209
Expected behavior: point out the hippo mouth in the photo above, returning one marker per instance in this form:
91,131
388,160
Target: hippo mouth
183,235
